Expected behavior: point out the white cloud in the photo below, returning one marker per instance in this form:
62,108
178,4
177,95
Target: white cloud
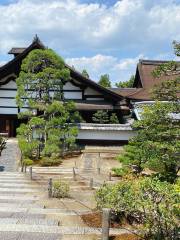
76,29
119,70
70,24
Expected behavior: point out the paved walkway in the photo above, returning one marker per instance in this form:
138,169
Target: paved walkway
26,213
10,156
23,215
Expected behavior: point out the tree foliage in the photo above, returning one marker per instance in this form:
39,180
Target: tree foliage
105,81
61,130
40,88
146,203
157,144
41,71
113,119
104,117
127,84
101,117
176,46
85,73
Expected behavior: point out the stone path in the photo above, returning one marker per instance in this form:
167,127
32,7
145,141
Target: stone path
26,212
10,155
23,215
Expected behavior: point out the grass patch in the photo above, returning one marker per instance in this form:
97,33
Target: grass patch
48,162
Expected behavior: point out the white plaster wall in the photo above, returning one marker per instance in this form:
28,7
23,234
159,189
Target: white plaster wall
11,84
8,102
7,93
73,95
70,86
90,91
105,135
8,110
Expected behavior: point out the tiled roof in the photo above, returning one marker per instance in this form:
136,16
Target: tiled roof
13,66
16,50
145,78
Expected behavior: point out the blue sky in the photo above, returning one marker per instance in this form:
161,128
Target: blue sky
102,36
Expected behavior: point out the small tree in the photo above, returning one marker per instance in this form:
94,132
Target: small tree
148,204
40,87
61,128
114,119
85,73
127,84
157,144
100,117
105,81
41,79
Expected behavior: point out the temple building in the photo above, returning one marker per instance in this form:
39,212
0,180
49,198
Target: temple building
141,92
89,97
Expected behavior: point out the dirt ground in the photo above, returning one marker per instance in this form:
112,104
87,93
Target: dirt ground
124,237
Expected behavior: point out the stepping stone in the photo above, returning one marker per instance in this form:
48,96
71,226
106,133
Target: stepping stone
10,236
29,236
18,190
20,201
21,186
29,221
15,181
21,215
42,211
40,236
14,205
20,198
48,229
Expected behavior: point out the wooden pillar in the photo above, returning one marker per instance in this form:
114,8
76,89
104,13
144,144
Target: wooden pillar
91,183
105,223
30,173
74,174
110,176
50,190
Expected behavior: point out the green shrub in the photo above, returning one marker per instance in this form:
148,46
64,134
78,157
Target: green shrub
114,119
60,189
149,202
47,162
28,162
120,171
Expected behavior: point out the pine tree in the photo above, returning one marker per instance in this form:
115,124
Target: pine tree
157,144
85,73
114,119
127,84
105,81
41,71
101,117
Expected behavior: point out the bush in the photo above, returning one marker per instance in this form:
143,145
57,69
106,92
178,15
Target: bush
114,119
147,201
28,162
60,189
47,162
120,172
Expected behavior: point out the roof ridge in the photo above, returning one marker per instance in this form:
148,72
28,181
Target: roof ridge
155,62
138,90
93,82
20,55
